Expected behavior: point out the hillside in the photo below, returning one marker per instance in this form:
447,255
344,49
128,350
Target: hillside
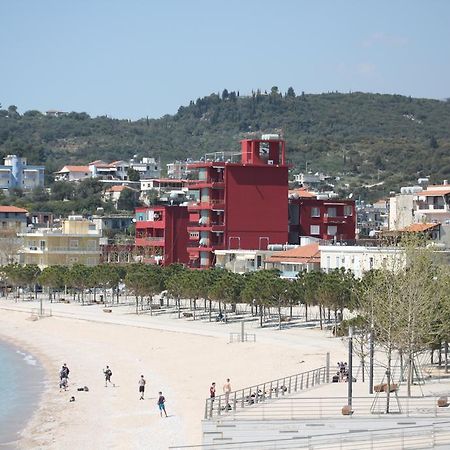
364,138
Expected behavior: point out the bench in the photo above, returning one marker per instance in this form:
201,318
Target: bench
188,314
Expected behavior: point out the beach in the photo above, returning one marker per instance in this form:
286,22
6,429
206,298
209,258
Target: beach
179,357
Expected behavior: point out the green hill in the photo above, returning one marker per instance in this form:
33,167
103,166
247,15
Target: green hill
363,138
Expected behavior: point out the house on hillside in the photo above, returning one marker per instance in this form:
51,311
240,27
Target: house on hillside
72,173
15,173
113,194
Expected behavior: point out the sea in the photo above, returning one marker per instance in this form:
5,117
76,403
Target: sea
22,381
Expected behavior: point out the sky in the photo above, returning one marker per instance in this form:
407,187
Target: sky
131,59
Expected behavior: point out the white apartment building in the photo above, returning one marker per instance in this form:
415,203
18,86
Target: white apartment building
359,259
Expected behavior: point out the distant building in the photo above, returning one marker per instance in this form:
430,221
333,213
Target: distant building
77,242
73,173
318,216
110,224
359,259
117,170
41,219
241,261
161,234
13,220
372,218
415,204
178,170
113,194
17,174
291,262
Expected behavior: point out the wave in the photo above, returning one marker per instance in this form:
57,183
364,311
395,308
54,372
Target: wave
29,359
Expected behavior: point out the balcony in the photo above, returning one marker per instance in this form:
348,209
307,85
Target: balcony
150,241
208,226
142,224
56,249
216,205
335,219
203,184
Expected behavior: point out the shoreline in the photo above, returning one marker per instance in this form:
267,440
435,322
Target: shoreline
40,386
178,357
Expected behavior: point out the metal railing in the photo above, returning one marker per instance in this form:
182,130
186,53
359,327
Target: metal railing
243,398
304,408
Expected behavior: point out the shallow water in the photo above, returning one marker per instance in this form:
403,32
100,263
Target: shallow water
21,384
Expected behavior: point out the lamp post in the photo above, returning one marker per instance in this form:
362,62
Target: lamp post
350,366
371,355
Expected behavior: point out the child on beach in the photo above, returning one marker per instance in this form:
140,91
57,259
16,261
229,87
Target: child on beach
108,374
161,406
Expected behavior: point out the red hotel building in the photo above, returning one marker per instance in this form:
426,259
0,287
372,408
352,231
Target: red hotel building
321,218
238,204
161,234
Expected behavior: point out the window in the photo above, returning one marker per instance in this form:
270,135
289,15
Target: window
73,243
258,261
315,212
348,210
91,245
314,229
338,260
72,259
42,245
332,230
331,212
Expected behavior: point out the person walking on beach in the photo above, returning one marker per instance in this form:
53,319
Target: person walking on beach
141,384
226,391
161,404
64,372
108,375
212,391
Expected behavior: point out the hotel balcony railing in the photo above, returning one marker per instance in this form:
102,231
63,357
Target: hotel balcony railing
149,240
334,219
218,204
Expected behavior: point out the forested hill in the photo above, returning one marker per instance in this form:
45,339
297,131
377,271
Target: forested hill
365,138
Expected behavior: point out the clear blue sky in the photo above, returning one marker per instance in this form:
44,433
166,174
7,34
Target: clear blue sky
130,59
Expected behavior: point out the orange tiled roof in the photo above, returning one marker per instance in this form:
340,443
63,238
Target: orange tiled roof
120,189
305,254
8,209
66,169
419,227
443,190
302,193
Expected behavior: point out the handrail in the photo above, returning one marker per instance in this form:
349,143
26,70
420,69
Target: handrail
258,393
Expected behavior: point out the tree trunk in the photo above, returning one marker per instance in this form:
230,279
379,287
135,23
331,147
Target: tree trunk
279,317
137,304
320,317
260,316
306,312
195,304
210,310
178,301
410,374
388,371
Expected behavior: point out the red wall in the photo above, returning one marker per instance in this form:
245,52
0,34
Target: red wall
256,205
346,225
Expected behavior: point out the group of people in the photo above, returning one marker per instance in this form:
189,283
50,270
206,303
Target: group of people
107,372
342,373
226,390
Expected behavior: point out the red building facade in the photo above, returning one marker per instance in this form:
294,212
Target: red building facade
161,234
321,218
239,205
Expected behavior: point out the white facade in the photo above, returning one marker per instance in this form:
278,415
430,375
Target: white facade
241,261
359,259
177,170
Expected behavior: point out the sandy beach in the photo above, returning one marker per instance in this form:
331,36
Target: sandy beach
180,357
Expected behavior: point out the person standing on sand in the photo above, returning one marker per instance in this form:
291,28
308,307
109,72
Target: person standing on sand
212,391
64,372
108,374
226,391
161,404
141,384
